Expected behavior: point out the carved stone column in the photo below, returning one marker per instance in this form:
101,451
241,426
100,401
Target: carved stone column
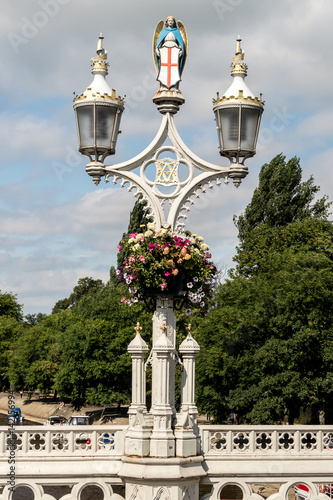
162,442
138,434
164,313
186,431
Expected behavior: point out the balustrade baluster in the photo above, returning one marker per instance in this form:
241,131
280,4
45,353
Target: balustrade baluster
252,441
25,442
320,442
230,444
71,443
94,447
47,438
297,441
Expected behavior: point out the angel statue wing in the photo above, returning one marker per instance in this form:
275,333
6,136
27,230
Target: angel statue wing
157,32
183,33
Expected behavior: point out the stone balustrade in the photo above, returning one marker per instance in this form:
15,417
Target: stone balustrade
79,457
267,440
64,440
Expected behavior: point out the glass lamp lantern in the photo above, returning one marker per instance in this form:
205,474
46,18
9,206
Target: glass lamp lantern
237,114
98,112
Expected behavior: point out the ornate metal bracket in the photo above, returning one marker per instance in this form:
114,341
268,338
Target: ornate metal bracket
170,177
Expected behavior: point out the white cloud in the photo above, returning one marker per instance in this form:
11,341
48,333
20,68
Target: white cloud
55,225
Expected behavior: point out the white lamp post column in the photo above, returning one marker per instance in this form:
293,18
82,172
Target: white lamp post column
137,437
164,314
162,442
186,431
168,177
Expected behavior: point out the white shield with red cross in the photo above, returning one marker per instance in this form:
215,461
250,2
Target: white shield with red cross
168,75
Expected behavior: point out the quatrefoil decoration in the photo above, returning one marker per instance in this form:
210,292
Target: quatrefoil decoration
167,172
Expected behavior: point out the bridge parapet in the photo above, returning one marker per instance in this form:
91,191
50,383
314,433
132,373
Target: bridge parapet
64,440
267,440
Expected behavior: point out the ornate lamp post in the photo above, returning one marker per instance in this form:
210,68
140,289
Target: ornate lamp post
170,178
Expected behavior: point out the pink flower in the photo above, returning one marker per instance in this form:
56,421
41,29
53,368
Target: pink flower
163,286
142,258
123,300
167,273
119,248
131,259
133,235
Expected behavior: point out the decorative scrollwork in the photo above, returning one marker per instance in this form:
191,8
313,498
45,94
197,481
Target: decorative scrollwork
168,185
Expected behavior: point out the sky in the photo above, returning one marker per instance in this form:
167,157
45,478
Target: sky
56,226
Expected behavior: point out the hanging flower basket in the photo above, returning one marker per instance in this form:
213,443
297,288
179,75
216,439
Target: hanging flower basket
176,288
159,263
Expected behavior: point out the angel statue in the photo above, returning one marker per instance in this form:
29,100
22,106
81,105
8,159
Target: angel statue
169,52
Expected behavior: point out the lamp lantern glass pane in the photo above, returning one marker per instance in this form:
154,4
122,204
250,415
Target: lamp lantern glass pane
85,116
229,118
249,126
105,120
238,127
98,127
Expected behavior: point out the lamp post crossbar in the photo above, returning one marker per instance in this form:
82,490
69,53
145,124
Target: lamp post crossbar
184,192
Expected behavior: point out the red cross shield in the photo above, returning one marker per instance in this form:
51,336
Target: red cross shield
168,75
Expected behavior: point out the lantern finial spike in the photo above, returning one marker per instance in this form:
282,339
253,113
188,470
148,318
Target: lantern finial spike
239,53
100,50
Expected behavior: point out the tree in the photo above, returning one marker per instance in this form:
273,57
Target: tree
10,307
281,198
10,330
95,365
271,337
35,357
138,217
84,286
11,327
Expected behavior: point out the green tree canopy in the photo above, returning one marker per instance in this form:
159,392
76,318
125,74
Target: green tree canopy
138,217
10,307
84,286
270,339
281,198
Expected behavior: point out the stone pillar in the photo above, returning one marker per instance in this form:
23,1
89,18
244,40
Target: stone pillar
164,313
162,442
139,431
186,431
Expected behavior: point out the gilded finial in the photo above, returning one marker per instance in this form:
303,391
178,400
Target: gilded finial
138,328
100,50
237,67
239,53
99,62
164,328
189,329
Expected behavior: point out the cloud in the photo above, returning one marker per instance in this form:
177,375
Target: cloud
55,225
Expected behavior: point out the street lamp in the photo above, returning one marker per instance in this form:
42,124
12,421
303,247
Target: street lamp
169,177
98,112
237,114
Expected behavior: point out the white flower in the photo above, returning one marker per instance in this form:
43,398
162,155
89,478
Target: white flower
150,225
200,238
148,233
204,247
136,246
